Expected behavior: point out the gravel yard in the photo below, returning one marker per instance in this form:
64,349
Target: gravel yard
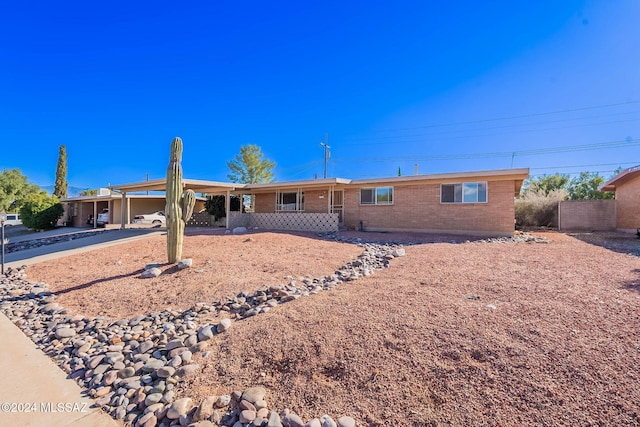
454,333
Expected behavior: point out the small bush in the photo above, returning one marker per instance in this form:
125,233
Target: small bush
538,209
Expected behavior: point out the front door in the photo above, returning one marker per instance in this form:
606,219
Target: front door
337,204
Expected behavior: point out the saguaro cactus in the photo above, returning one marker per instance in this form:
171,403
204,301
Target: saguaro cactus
179,205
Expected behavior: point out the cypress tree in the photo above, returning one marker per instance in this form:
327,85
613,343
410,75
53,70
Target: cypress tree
60,188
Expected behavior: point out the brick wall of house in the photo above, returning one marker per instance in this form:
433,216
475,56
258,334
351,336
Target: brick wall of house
591,215
265,203
628,205
418,208
313,203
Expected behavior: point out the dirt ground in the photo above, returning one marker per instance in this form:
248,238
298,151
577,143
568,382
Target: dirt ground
455,333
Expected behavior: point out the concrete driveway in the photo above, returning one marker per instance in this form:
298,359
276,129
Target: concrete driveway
102,237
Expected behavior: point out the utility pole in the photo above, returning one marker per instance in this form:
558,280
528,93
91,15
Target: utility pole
325,144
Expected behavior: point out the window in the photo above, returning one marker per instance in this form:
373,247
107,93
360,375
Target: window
467,192
376,196
290,202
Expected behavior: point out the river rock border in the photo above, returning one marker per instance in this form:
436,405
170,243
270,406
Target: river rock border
132,366
44,241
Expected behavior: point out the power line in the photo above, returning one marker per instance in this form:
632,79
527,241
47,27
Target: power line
445,132
512,154
586,166
521,116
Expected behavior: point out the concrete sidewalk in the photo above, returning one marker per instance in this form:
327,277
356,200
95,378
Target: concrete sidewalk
34,391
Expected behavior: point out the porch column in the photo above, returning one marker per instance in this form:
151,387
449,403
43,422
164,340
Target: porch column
95,214
227,208
128,219
123,211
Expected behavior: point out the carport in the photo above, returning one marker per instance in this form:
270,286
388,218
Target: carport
198,186
79,209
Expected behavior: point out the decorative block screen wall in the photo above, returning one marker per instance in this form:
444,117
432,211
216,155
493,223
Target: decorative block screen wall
320,222
200,220
239,220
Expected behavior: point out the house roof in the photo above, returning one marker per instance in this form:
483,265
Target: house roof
622,178
212,187
112,196
96,198
197,185
309,183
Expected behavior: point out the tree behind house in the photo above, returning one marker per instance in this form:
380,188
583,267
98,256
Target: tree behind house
250,166
540,196
60,188
585,187
15,190
546,183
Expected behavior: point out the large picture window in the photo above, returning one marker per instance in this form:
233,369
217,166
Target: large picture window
376,196
290,202
466,192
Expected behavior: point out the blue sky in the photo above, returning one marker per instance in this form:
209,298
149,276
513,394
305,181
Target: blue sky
452,86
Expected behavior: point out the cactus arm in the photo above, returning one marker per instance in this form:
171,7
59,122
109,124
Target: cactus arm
188,202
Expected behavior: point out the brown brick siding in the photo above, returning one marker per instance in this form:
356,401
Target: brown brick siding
418,207
628,205
266,202
314,204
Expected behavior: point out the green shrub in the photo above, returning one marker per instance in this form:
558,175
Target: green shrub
41,212
215,206
538,209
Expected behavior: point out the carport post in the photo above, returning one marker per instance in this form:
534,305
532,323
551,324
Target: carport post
123,207
227,206
95,214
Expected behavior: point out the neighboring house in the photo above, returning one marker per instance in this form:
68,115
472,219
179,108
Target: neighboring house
626,185
468,202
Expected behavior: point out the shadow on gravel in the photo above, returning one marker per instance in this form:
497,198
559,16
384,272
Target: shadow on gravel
95,282
634,285
624,243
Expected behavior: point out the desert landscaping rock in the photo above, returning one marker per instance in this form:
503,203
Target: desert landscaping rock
223,325
254,394
185,263
151,273
346,421
179,407
65,332
134,367
205,409
274,420
187,370
165,371
327,421
292,420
